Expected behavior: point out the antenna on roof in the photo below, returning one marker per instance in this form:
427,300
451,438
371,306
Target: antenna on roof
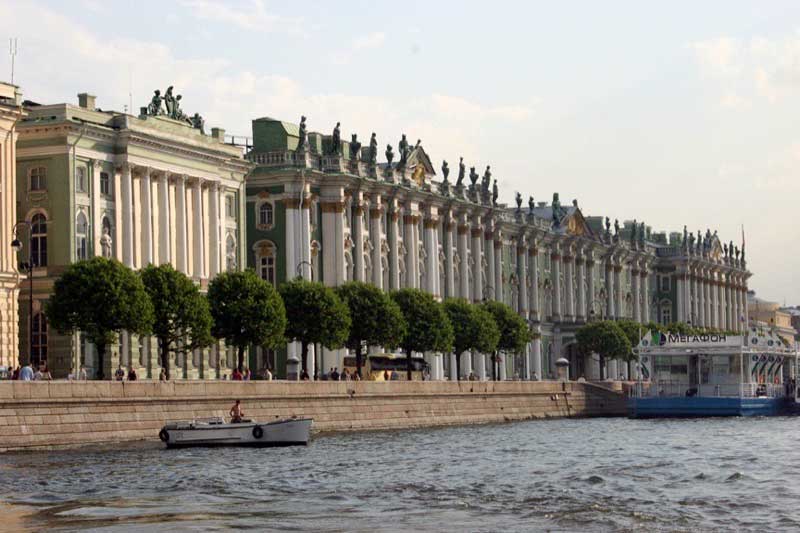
12,51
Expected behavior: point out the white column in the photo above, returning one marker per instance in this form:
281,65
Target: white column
127,215
498,269
463,254
180,223
537,355
214,229
680,295
533,262
491,278
480,364
409,229
164,228
477,260
522,274
198,251
709,323
453,369
610,290
332,206
590,289
620,307
431,251
570,287
645,284
97,219
555,272
449,266
580,314
375,215
147,230
394,256
358,237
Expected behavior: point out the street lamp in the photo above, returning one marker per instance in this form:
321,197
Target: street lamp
299,268
488,289
16,244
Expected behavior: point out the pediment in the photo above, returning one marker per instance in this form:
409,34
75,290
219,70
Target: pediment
418,158
575,224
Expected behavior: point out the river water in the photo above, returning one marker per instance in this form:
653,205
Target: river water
556,475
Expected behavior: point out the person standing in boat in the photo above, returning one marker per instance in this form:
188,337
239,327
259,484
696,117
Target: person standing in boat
236,412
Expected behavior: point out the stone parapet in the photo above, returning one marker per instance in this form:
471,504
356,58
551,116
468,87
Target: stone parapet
54,414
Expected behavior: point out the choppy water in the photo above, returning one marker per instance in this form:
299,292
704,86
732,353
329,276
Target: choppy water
557,475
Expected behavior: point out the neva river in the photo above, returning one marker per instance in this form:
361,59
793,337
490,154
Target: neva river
556,475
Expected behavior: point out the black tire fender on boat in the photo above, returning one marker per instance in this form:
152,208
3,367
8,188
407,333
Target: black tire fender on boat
163,435
258,432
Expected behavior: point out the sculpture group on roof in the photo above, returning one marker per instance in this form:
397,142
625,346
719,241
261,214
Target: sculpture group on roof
169,106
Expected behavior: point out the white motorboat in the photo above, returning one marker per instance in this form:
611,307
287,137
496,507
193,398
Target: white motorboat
216,432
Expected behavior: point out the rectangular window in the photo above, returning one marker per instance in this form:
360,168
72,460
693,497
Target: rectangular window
229,207
267,268
105,184
665,280
80,179
80,246
38,179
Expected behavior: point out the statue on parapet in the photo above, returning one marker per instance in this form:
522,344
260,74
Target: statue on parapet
725,250
336,140
486,180
518,201
389,156
445,187
461,172
404,150
154,107
641,233
355,147
373,150
575,202
685,236
736,249
531,205
445,169
556,208
608,227
616,227
495,192
198,123
691,242
633,231
473,177
302,142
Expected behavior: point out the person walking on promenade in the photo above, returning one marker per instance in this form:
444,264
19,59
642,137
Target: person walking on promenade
45,374
71,376
119,375
335,374
236,375
267,374
395,376
236,412
82,374
37,376
304,375
246,375
162,376
385,375
345,375
26,374
15,374
132,374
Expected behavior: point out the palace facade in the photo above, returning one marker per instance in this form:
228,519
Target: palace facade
144,189
328,210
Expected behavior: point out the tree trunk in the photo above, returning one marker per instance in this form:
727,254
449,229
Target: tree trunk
358,360
602,367
408,362
458,366
304,356
241,358
101,357
163,347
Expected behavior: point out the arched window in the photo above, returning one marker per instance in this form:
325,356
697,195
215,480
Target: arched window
39,339
265,261
81,229
39,240
38,179
265,214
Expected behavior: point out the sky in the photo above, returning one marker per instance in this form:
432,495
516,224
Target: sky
673,113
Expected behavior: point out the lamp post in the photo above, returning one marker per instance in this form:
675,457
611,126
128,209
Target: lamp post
16,244
299,269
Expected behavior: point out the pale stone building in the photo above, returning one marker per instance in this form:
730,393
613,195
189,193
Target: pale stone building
10,113
333,213
152,188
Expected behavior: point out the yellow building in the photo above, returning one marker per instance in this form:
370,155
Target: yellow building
10,113
766,314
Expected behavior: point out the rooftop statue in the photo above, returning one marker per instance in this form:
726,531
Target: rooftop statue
736,249
725,249
445,170
445,188
691,241
355,147
373,150
402,146
608,226
641,233
461,171
574,202
518,200
487,180
557,213
531,205
699,240
633,232
154,108
389,155
685,235
336,140
303,134
495,193
169,102
199,123
473,176
616,227
730,249
419,142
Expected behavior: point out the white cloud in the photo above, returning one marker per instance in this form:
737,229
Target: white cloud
345,56
371,40
254,16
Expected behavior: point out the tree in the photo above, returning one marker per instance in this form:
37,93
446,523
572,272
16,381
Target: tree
604,338
514,331
182,315
376,319
315,315
100,297
428,329
474,328
246,310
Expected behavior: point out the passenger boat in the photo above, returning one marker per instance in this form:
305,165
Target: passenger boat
216,432
714,375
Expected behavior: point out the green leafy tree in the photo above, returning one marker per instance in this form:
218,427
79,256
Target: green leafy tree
474,328
100,297
246,310
514,331
680,328
315,315
428,329
376,318
604,338
182,315
634,332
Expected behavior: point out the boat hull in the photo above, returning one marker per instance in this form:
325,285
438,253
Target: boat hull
692,407
292,432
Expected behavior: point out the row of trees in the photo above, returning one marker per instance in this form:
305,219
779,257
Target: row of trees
101,298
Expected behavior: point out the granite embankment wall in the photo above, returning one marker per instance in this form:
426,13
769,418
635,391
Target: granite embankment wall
53,414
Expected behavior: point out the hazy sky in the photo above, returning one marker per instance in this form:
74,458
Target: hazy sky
673,113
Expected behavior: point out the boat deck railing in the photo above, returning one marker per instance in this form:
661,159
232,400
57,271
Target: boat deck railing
669,388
